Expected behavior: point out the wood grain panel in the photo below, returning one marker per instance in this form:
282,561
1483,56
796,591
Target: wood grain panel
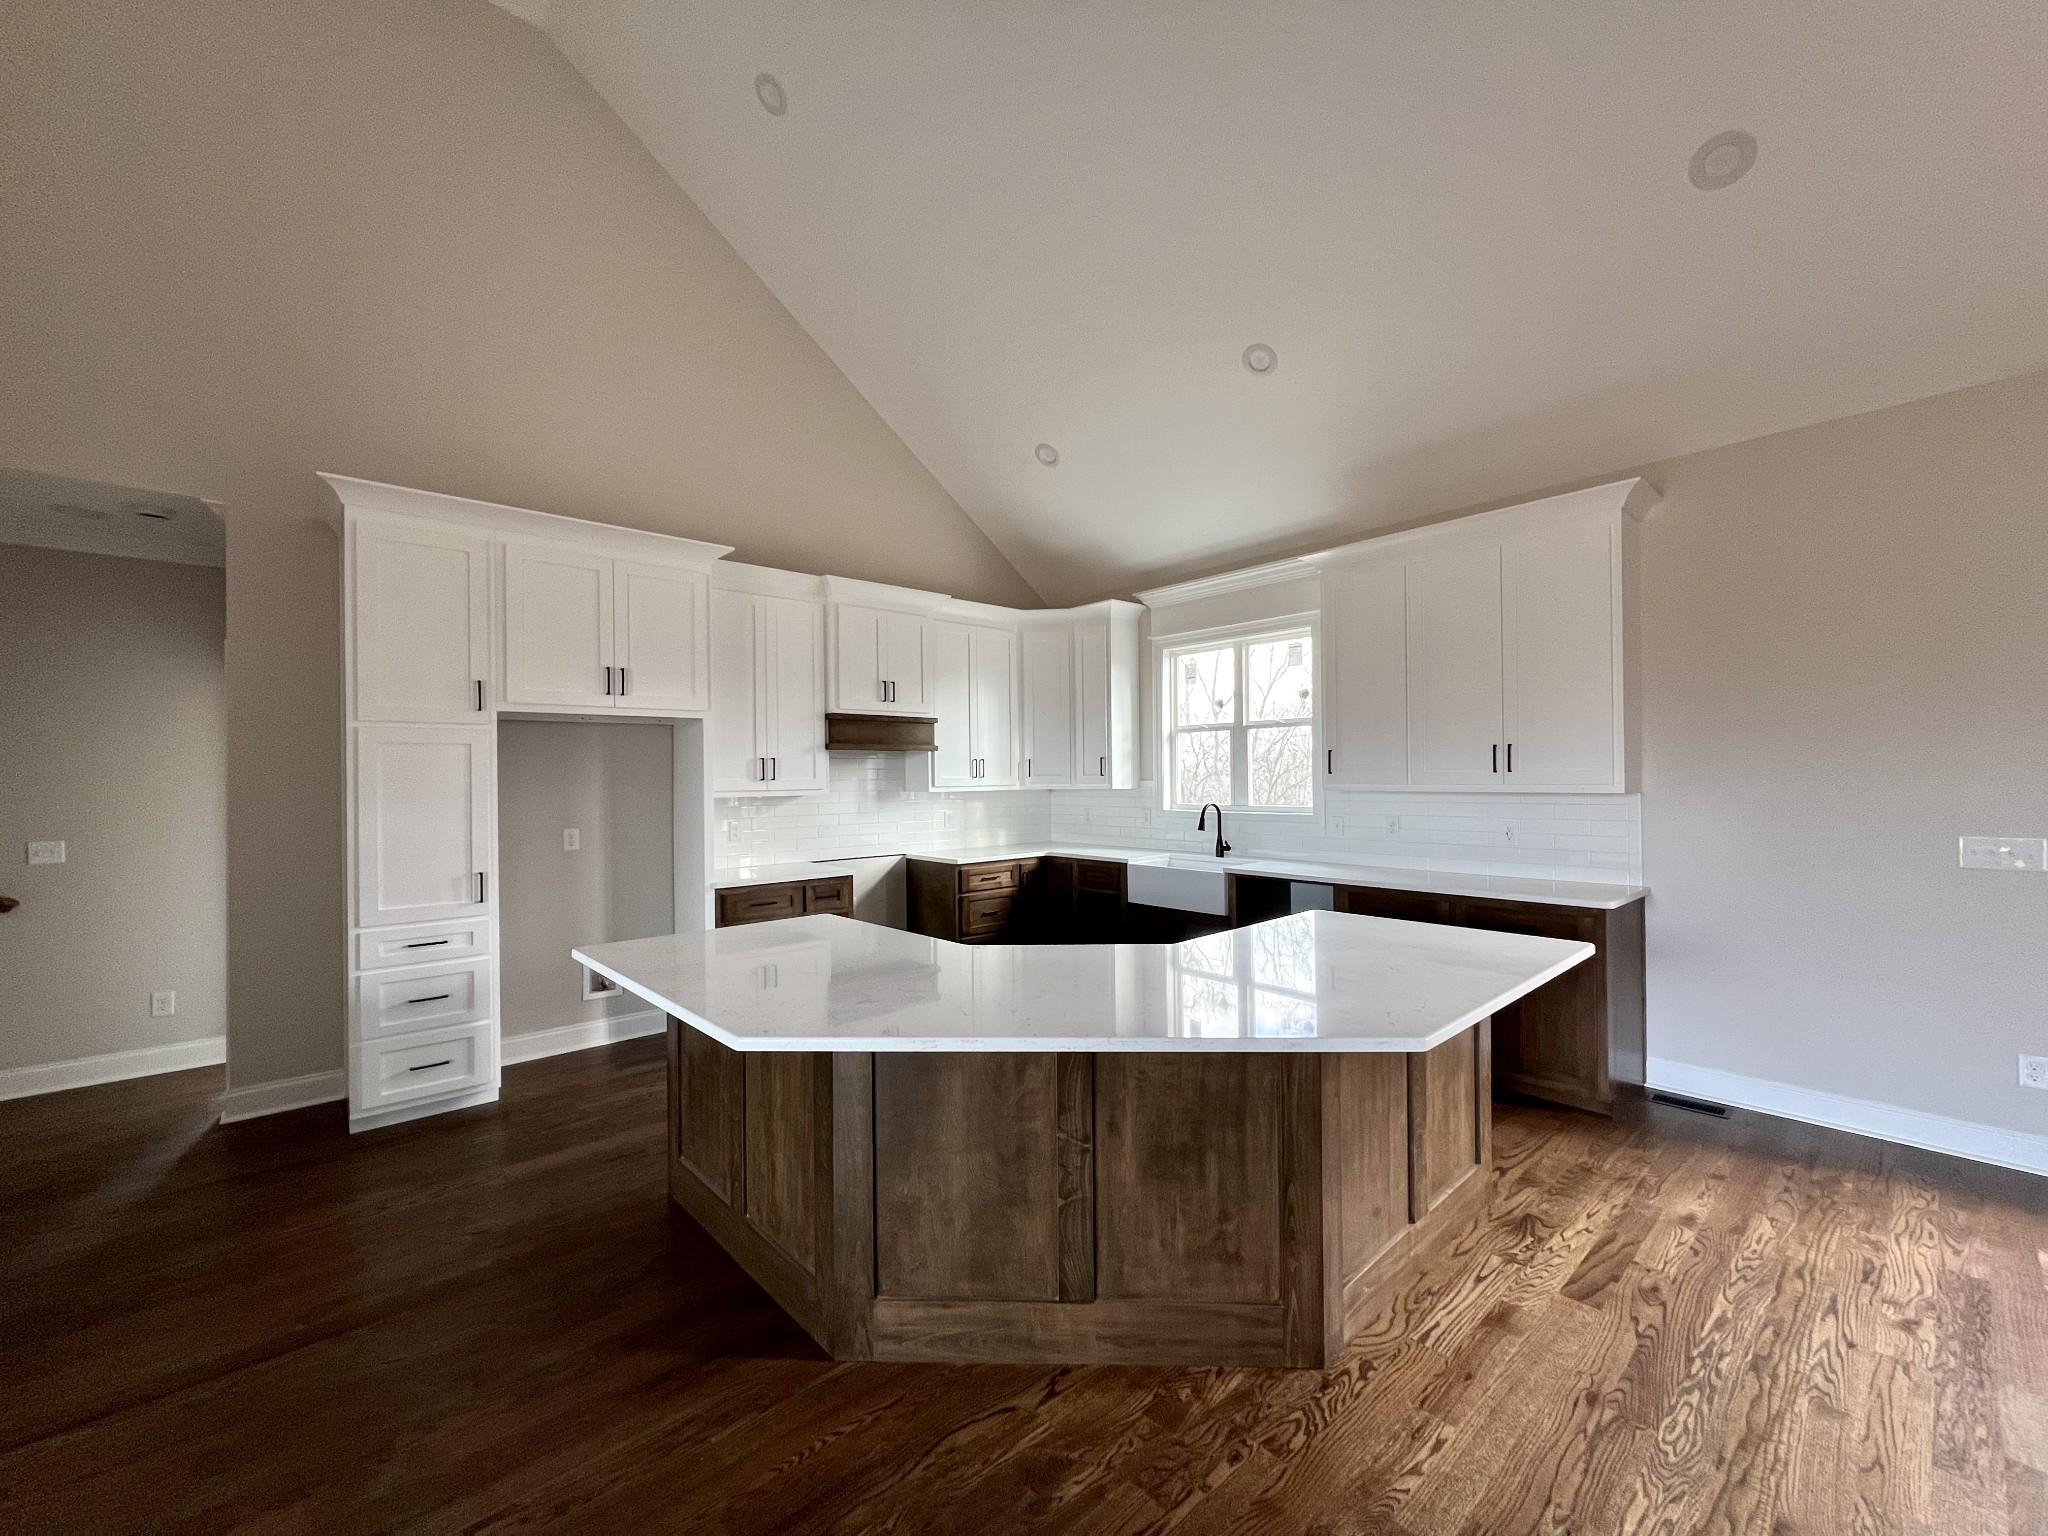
709,1105
1406,906
967,1175
782,1135
1076,1090
1187,1184
759,904
1372,1149
1107,1331
1443,1122
1553,1043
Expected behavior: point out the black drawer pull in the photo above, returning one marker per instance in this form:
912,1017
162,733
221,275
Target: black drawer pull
428,1066
427,943
438,997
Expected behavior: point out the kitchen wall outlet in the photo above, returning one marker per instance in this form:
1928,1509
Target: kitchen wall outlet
163,1005
46,853
572,839
2034,1071
1508,832
2021,853
1393,825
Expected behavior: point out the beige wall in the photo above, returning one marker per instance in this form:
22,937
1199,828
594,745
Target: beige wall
113,738
614,782
241,241
1845,668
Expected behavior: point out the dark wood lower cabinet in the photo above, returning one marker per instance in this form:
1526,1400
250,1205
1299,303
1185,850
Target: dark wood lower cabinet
1177,1208
795,898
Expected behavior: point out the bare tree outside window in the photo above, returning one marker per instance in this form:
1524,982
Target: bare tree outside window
1243,724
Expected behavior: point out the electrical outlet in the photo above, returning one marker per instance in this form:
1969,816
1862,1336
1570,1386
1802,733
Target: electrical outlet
163,1005
46,853
1508,832
2034,1071
572,839
1393,826
2020,853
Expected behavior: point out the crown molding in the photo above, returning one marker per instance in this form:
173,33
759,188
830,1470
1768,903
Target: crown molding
1270,574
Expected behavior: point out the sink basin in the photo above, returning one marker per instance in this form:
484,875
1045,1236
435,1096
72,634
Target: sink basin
1181,884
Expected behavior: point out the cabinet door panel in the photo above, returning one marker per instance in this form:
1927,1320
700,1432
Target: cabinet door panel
995,706
857,659
1453,603
904,661
1091,689
1365,649
793,701
734,727
558,626
953,702
421,622
1559,687
1048,651
661,635
423,823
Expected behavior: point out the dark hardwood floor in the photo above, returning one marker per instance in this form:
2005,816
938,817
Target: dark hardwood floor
495,1322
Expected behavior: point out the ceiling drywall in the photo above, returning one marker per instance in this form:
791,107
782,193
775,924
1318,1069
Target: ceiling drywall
55,512
1466,226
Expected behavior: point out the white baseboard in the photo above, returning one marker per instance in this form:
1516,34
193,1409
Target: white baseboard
275,1097
113,1067
513,1049
2023,1150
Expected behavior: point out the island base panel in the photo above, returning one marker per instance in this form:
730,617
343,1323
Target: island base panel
1141,1207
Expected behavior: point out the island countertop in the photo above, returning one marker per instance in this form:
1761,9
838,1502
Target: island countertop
1311,982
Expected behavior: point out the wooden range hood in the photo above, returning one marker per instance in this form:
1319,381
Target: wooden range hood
880,733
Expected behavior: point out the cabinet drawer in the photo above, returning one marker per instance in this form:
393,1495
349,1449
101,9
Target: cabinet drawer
759,904
1094,875
835,895
986,914
408,1068
987,877
425,997
380,948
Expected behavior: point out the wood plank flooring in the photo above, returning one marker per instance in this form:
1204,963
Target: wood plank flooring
494,1322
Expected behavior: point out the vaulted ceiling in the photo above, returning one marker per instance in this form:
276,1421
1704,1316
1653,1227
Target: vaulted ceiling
1465,226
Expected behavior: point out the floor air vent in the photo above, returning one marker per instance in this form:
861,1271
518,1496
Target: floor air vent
1693,1106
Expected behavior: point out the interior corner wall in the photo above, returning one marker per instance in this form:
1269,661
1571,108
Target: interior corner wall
403,239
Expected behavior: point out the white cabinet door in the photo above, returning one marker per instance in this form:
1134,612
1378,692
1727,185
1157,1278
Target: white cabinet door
424,848
857,660
559,631
1092,691
421,622
1049,711
793,696
1560,687
953,764
1453,601
905,664
995,708
734,729
660,643
1365,670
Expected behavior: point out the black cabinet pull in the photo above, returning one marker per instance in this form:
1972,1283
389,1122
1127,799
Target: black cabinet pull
774,769
438,997
479,693
1511,757
1102,767
479,885
427,943
1496,757
1329,759
622,682
428,1066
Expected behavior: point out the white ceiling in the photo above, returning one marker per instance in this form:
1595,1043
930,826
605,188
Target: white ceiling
1465,225
54,512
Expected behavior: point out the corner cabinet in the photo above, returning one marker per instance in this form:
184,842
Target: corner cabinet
1080,697
767,722
580,617
1485,654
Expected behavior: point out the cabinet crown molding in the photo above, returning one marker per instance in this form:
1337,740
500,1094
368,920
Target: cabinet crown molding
879,594
1632,498
765,581
350,497
1269,574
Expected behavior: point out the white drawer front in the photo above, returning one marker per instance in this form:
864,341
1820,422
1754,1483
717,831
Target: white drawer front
423,997
407,1069
422,943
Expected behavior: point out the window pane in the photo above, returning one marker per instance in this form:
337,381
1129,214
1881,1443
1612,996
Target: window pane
1207,1008
1279,680
1201,767
1279,763
1284,955
1277,1014
1206,687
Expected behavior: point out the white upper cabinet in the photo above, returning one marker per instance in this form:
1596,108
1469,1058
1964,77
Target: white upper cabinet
420,622
880,665
659,640
1365,672
1454,705
559,627
423,802
974,691
767,722
1561,663
1106,696
1049,711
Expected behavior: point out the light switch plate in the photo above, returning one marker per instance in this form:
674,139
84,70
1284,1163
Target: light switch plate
163,1005
46,853
572,839
2021,853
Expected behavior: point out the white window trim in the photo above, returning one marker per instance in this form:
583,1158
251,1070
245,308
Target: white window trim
1165,647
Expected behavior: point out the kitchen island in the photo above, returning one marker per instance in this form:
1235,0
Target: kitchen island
1227,1151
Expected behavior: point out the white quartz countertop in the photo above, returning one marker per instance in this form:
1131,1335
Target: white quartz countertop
776,874
1311,982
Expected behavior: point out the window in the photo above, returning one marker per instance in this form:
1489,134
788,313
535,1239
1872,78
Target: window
1240,722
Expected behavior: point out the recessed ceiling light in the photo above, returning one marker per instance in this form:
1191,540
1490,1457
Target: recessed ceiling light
769,89
73,509
1260,358
1046,454
1723,160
